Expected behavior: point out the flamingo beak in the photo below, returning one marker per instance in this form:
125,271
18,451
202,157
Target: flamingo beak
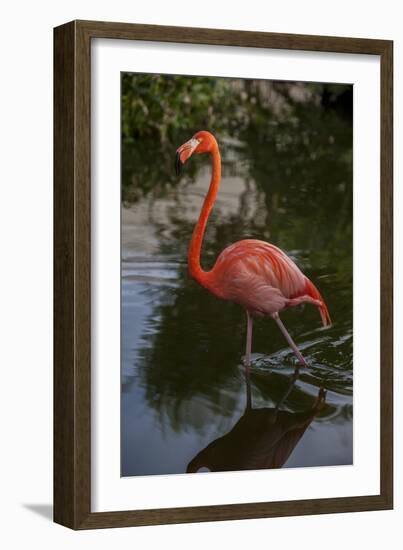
184,152
178,163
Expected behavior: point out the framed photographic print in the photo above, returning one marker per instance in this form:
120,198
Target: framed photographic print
223,275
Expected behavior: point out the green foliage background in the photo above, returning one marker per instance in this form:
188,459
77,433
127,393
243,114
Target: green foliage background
159,112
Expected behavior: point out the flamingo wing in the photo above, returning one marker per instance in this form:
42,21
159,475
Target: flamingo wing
262,278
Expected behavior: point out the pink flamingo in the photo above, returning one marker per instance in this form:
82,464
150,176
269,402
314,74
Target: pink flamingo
255,274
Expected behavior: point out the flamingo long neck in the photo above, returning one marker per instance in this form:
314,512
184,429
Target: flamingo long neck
195,268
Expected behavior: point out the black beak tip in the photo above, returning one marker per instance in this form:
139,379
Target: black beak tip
178,164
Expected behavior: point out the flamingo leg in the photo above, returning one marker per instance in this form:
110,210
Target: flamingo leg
248,391
248,339
290,341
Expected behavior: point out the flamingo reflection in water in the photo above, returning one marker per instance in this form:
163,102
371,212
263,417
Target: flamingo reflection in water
263,438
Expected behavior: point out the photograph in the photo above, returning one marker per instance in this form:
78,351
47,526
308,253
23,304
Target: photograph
236,274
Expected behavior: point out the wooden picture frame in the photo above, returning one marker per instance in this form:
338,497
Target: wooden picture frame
72,270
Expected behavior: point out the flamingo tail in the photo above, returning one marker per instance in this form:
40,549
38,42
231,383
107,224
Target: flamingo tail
314,293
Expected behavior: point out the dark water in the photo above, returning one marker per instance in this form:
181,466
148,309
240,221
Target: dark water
186,404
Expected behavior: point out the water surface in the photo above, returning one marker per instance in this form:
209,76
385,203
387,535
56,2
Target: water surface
186,405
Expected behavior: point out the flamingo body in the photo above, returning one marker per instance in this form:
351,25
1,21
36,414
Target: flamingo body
262,278
255,274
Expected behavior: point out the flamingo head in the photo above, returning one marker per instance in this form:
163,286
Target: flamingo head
201,142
